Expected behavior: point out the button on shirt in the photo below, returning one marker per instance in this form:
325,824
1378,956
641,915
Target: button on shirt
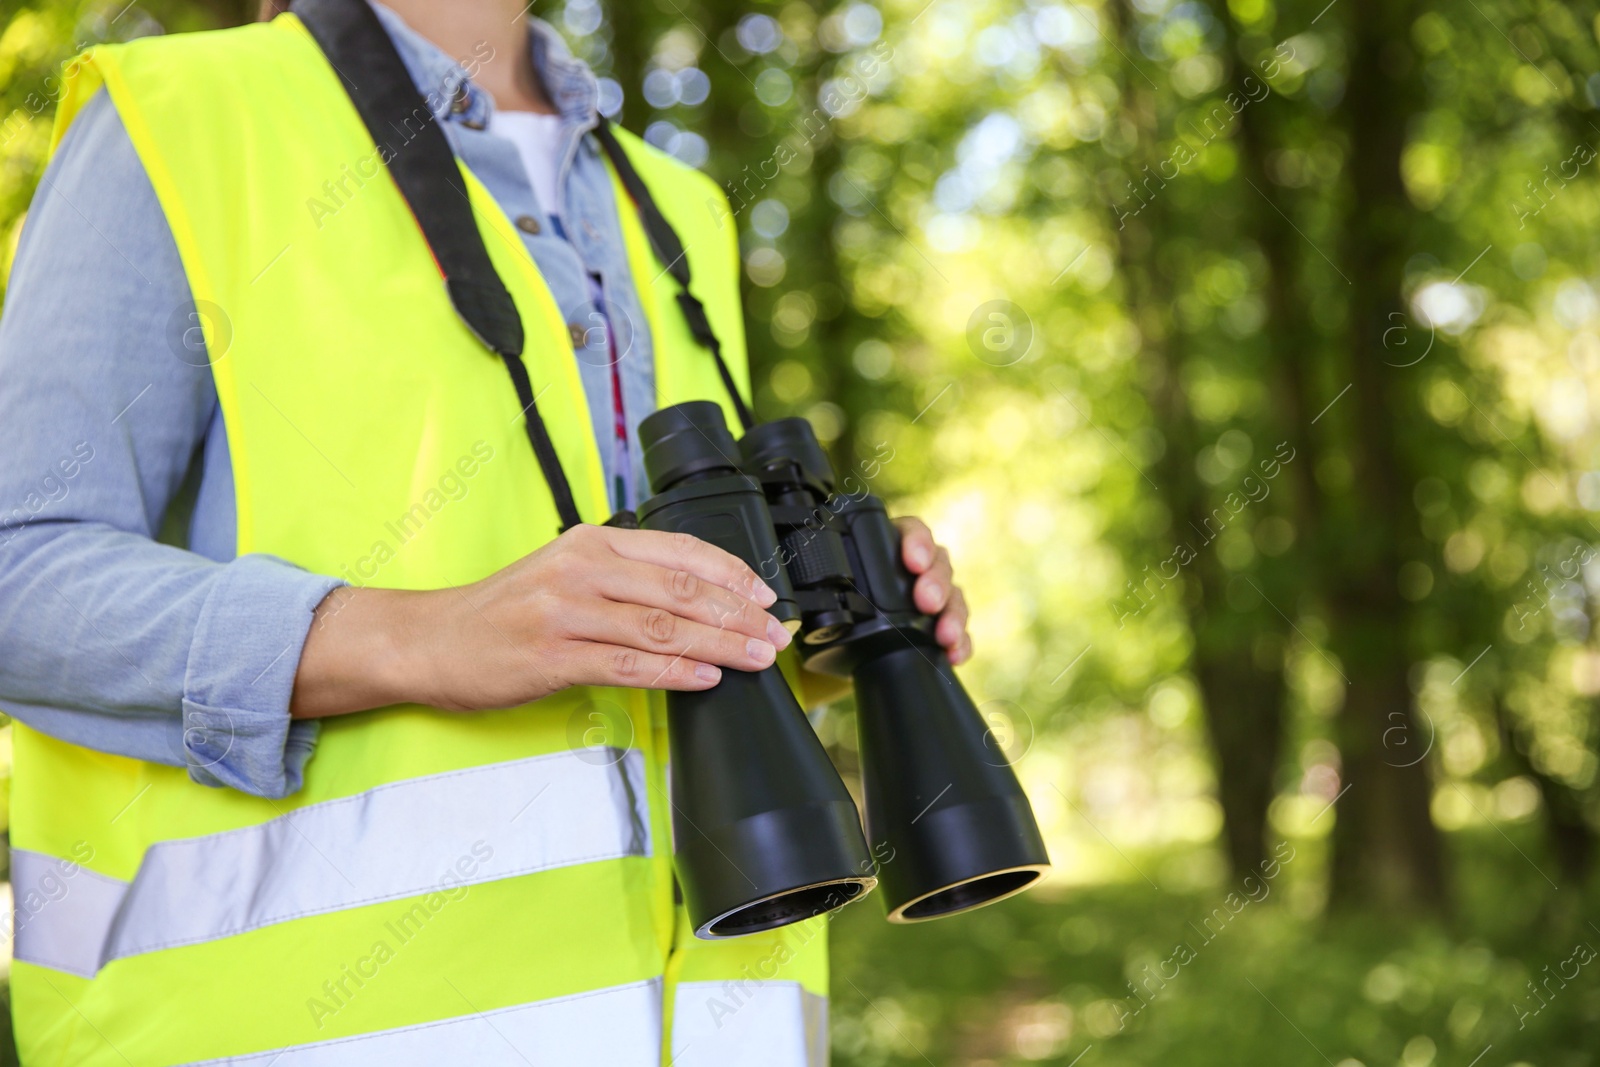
187,655
540,141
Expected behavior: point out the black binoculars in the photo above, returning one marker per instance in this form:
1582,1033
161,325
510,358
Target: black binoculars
764,831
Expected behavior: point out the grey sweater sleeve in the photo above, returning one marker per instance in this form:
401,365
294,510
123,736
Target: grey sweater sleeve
109,639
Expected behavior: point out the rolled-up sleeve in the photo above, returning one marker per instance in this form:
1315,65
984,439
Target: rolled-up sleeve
110,639
237,730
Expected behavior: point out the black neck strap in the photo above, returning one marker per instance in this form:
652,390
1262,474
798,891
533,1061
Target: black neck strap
670,251
419,158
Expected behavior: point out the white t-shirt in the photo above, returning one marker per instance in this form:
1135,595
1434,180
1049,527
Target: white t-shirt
540,142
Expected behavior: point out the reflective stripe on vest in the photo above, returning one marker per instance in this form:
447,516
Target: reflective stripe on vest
60,912
372,438
620,1025
341,854
775,1024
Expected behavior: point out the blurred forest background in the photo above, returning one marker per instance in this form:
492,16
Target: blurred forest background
1242,351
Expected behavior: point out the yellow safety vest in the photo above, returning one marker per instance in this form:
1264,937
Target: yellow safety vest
491,888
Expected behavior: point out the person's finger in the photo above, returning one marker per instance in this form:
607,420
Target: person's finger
916,544
688,595
681,551
932,590
659,631
952,625
593,663
963,650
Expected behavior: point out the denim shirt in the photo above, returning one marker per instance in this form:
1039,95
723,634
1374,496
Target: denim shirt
186,656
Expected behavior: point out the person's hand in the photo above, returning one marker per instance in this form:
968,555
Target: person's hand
596,606
935,591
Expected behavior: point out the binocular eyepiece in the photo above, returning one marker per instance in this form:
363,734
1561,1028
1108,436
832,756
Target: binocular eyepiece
764,831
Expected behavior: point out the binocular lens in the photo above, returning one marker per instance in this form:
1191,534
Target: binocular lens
764,833
939,793
792,907
982,890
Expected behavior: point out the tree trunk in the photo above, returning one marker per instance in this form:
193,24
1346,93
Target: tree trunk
1387,854
1244,719
1243,704
1287,326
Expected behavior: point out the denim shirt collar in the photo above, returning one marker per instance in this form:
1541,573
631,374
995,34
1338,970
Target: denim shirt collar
453,97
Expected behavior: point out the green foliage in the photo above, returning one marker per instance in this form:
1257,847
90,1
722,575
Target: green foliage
38,42
1122,975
